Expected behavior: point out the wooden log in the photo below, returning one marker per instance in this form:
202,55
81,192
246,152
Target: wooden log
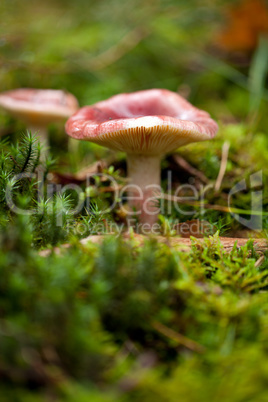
260,245
176,242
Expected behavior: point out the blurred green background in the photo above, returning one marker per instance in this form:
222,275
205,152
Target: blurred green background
95,49
98,48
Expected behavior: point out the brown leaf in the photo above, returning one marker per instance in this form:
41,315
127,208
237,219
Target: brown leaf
245,23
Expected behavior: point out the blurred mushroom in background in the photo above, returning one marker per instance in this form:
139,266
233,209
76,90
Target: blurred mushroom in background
38,108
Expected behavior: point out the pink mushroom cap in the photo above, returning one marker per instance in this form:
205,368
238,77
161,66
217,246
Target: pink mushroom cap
39,106
150,122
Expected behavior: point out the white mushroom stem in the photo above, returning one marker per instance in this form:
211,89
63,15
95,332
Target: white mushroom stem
41,134
144,173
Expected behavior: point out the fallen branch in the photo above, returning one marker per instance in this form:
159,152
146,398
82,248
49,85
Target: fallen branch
176,242
182,163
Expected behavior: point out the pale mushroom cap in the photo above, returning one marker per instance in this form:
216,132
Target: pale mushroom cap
150,122
39,106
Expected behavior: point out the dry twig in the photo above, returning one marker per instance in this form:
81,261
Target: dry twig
182,163
175,336
224,160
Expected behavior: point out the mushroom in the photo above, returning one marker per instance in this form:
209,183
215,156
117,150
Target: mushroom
146,125
38,108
